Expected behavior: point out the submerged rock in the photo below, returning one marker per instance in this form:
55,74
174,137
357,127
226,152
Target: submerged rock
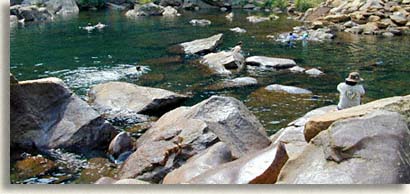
257,19
287,89
45,114
234,83
200,22
208,159
270,62
113,98
186,131
261,167
369,150
297,69
31,167
223,62
314,72
317,124
199,46
238,30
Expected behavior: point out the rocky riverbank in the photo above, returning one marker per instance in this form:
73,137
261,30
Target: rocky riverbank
213,142
368,17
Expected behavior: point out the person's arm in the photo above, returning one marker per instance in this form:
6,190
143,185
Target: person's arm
362,92
339,87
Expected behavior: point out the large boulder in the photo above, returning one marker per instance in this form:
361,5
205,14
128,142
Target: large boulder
126,100
372,149
208,159
45,114
262,167
186,131
149,9
199,46
293,137
63,7
170,12
317,124
224,62
31,13
399,18
218,3
270,62
109,180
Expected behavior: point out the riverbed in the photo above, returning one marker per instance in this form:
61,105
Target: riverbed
82,59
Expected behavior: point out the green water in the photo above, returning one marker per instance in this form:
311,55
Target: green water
83,59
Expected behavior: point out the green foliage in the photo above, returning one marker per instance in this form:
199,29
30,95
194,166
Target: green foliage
303,5
91,3
143,2
282,4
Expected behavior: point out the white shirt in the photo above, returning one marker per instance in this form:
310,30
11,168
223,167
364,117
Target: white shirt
349,95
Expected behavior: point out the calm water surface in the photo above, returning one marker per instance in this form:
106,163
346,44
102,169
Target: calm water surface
84,59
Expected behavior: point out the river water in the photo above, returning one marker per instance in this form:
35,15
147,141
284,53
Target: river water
83,59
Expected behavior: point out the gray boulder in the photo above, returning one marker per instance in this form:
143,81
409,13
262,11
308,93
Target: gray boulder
45,114
31,13
186,131
200,22
234,83
125,100
63,7
199,46
149,9
287,89
368,150
270,62
224,62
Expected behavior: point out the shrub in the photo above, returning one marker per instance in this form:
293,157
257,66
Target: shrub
143,2
303,5
281,4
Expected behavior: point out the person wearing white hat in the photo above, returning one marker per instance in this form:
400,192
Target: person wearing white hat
350,91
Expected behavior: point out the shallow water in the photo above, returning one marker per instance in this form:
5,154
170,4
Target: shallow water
84,59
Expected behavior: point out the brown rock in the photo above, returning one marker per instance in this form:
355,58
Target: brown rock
210,158
120,144
374,18
45,114
33,166
399,104
261,167
186,131
369,150
119,98
337,18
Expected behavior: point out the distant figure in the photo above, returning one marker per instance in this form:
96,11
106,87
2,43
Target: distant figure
290,39
350,91
100,25
305,38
